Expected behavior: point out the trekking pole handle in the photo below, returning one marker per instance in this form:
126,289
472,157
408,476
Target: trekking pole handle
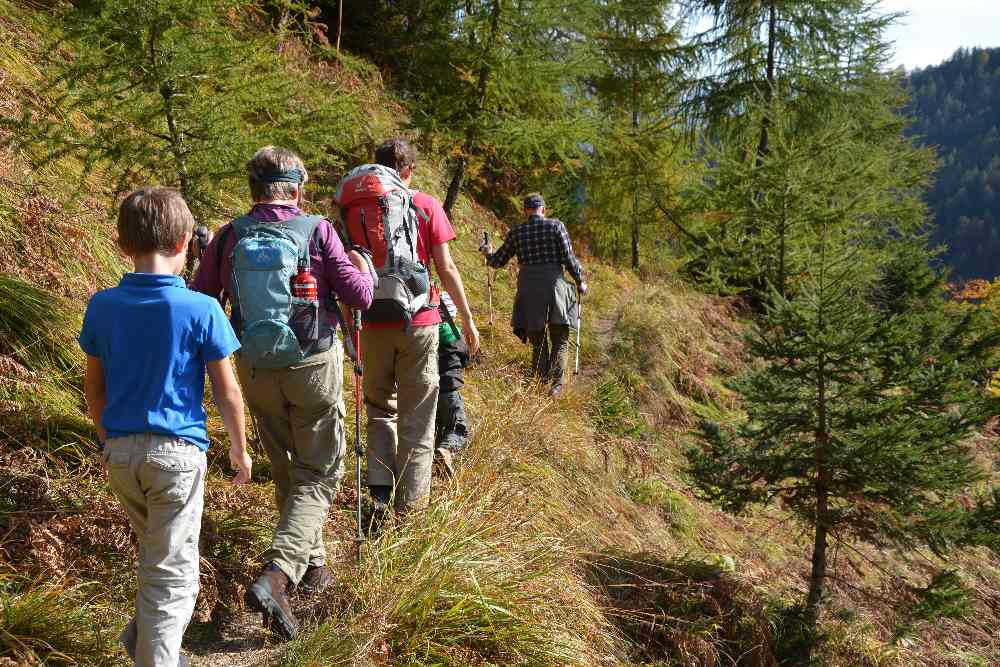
359,368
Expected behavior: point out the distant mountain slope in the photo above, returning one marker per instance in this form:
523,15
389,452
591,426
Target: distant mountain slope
956,107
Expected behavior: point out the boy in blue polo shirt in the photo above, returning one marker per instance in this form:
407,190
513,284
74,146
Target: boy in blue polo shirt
149,342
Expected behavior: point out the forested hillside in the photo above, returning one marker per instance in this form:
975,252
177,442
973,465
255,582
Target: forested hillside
782,447
956,108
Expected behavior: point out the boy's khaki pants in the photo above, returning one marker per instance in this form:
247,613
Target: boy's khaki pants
401,393
160,480
300,414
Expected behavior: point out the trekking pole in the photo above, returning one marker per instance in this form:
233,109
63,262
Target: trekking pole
579,326
489,279
359,371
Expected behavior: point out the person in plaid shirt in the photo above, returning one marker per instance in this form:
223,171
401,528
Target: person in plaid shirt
544,298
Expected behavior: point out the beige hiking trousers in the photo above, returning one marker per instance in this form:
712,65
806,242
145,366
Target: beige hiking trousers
300,414
401,392
160,481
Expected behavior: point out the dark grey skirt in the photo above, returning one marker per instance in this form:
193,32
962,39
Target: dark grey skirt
543,297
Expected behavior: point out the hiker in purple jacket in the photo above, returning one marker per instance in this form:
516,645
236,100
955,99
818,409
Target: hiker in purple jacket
299,410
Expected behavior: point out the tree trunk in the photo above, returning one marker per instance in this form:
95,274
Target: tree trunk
462,164
635,243
340,22
167,92
176,140
817,577
636,167
455,187
782,243
765,123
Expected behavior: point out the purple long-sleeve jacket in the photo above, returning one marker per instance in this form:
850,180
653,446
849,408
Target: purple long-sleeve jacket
328,259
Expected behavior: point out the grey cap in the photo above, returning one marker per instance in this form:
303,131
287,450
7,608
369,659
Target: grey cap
534,200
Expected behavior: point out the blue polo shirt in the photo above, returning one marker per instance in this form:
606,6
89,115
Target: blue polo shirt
154,336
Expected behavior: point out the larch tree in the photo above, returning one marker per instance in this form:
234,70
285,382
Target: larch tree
636,170
179,93
858,412
504,95
747,54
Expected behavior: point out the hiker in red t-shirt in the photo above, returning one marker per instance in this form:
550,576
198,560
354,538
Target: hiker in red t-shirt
401,374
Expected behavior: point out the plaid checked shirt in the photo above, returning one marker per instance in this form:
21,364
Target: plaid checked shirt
538,241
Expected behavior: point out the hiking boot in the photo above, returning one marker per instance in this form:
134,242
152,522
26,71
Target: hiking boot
315,580
129,637
269,595
378,518
444,461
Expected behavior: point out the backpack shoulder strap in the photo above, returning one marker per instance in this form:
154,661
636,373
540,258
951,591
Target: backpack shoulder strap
241,225
423,217
303,227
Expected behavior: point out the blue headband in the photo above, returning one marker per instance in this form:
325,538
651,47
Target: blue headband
290,176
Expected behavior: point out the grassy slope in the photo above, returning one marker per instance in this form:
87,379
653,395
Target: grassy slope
570,535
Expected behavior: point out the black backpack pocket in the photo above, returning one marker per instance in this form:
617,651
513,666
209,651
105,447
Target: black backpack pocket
303,319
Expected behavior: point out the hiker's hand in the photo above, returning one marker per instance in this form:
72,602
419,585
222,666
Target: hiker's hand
582,288
200,239
471,335
239,459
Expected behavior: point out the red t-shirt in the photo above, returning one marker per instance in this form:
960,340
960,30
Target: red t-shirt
436,231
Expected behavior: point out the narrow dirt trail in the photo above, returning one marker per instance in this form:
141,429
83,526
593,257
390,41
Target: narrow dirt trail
241,641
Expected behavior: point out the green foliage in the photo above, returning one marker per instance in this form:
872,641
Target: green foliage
675,509
945,596
798,52
848,165
36,330
50,624
614,410
634,175
981,524
856,419
496,94
956,108
179,93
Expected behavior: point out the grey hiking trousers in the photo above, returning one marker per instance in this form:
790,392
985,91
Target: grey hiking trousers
549,362
401,394
300,414
160,481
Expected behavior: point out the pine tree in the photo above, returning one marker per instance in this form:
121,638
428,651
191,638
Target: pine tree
636,171
760,209
761,52
858,413
179,93
502,99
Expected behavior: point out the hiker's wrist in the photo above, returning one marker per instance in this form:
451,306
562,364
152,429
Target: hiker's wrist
357,260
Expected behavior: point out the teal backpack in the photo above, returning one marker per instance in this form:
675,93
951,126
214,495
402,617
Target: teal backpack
276,330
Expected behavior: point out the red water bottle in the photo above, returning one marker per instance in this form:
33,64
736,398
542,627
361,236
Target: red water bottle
304,285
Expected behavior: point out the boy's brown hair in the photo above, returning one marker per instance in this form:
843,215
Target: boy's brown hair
153,219
396,153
